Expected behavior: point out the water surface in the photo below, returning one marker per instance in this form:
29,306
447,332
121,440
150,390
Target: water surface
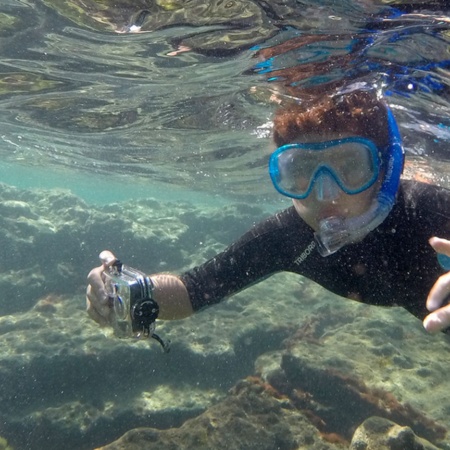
102,87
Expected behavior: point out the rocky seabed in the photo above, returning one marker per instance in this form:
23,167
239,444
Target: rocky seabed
283,365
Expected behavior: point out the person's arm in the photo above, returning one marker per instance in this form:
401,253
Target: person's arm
172,297
256,255
429,208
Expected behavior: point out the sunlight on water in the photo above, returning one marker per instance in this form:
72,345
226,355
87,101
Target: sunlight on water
95,100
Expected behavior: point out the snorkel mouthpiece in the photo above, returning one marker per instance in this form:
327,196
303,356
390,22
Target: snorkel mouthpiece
335,232
331,236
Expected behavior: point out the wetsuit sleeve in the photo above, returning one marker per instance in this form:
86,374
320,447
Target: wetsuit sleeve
259,253
427,207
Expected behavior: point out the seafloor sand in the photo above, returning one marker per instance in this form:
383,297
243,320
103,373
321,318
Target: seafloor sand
282,365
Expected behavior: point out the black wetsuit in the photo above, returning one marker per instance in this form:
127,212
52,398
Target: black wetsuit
393,265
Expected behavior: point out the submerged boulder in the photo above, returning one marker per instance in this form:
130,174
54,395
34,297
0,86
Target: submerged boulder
377,433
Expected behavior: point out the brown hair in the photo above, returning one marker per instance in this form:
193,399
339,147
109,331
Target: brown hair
360,113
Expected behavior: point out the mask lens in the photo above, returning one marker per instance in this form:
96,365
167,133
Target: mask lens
353,163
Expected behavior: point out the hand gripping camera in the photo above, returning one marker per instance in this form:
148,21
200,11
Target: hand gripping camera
134,309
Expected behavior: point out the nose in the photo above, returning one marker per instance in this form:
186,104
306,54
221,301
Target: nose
326,188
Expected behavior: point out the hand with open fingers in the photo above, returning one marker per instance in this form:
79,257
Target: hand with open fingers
437,304
99,304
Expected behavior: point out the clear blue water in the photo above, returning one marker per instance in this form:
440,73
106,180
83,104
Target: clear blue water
121,101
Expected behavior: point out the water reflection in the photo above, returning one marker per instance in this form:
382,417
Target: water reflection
168,90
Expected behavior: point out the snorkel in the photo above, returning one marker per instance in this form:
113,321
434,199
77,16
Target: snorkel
336,232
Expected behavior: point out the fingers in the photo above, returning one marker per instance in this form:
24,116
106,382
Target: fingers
97,299
102,318
439,292
440,245
95,280
95,276
438,320
107,258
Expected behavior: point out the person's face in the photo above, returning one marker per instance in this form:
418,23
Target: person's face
327,199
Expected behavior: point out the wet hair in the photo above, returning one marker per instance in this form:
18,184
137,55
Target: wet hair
360,113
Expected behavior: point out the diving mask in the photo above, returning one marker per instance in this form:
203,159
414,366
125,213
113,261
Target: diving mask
353,163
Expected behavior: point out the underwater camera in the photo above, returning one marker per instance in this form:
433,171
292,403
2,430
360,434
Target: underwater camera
135,311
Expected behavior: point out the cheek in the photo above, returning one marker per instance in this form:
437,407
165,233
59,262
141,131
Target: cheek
307,204
358,204
308,214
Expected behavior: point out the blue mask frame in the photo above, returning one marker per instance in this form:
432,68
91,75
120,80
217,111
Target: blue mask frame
323,168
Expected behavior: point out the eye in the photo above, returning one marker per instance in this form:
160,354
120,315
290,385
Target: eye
229,5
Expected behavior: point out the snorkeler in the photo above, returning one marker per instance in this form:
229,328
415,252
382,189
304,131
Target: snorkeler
354,227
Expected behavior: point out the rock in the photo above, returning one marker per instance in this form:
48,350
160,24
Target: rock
52,239
249,418
377,433
345,368
66,383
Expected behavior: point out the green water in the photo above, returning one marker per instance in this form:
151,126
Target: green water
99,189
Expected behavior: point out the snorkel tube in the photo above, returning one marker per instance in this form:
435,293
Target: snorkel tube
335,232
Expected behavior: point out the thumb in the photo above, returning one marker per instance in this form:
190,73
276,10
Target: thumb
107,258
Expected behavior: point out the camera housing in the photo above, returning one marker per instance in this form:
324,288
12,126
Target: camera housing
134,309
